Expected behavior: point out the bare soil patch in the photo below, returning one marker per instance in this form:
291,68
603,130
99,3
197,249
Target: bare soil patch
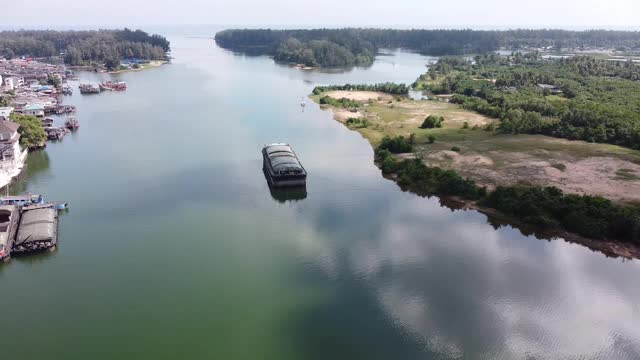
359,95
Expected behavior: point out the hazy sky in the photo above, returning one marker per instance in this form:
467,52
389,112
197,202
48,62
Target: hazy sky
287,13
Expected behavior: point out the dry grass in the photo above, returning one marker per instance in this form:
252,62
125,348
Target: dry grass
493,159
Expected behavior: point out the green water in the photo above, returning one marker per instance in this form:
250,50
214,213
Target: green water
174,248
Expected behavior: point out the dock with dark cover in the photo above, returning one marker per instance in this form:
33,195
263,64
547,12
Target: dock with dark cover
37,231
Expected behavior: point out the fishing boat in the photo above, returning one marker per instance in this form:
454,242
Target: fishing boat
113,86
72,123
55,133
22,200
47,122
8,223
89,89
282,167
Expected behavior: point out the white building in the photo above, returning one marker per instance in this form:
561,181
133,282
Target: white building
34,109
9,141
11,156
5,112
8,84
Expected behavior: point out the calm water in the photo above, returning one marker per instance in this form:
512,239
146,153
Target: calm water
174,247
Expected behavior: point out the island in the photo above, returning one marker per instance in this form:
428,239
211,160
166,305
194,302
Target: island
548,142
359,47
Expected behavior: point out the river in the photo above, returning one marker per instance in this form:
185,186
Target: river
174,247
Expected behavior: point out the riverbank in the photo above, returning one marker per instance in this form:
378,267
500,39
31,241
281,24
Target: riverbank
467,144
492,159
150,65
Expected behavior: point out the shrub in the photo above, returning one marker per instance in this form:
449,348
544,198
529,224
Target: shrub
432,121
431,139
465,125
356,123
396,145
455,148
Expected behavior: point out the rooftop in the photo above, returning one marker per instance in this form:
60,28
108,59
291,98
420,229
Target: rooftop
8,126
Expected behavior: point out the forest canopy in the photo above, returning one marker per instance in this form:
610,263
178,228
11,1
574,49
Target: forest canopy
84,47
348,47
579,98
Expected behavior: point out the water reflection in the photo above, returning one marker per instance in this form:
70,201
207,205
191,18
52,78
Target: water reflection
458,289
293,194
37,167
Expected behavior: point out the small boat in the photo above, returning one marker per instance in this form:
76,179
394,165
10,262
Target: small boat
55,133
72,123
59,205
47,122
67,90
22,200
282,167
8,222
89,89
113,86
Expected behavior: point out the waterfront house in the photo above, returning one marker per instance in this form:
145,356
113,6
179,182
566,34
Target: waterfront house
5,112
9,84
9,141
34,109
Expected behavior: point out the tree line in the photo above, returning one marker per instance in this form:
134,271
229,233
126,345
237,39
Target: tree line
353,46
387,88
107,47
579,98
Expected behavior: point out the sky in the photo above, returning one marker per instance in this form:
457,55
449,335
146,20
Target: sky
480,14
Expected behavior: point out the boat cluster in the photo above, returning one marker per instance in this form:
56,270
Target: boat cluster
58,132
28,224
105,86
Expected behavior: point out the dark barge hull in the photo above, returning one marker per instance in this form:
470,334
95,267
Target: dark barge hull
282,167
39,245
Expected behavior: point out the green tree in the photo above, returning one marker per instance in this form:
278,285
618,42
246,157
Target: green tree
32,134
53,80
432,121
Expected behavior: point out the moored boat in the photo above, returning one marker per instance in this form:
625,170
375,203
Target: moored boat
282,167
113,86
89,89
8,223
72,123
38,230
22,200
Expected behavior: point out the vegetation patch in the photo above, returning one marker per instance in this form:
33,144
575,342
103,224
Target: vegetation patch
32,134
432,121
580,98
626,175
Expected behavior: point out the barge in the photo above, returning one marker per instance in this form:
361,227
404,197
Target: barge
282,167
38,230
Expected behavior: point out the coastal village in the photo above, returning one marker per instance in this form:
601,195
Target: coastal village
34,90
37,89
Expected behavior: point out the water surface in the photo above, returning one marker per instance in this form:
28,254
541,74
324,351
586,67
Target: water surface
175,247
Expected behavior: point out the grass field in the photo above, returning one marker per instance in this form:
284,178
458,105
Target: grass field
491,158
